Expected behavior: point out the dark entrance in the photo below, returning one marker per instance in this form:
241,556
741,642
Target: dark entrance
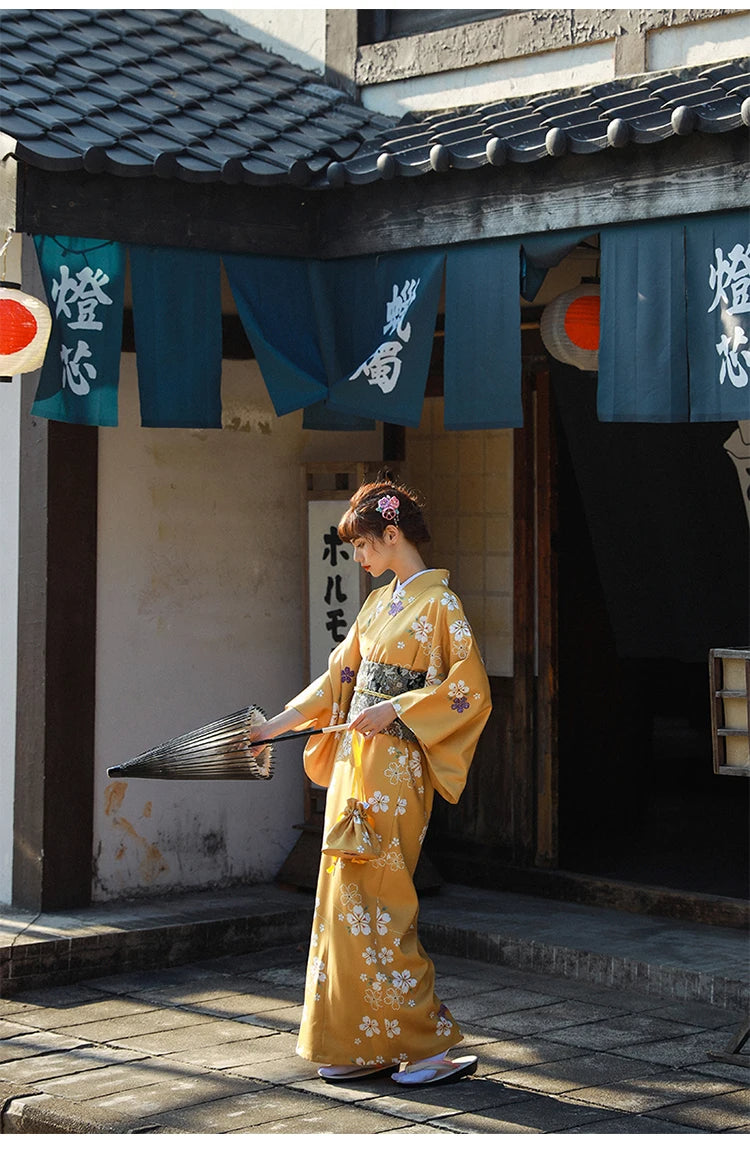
653,572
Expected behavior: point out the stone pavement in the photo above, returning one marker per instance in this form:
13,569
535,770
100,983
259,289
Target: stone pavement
565,1044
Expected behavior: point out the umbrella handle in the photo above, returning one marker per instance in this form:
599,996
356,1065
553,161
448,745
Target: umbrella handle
300,734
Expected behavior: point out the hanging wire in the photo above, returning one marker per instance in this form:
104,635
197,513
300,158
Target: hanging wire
9,234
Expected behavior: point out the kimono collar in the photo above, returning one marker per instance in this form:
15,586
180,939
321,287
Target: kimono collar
426,577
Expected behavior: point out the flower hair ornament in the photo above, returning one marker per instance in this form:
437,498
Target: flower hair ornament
388,508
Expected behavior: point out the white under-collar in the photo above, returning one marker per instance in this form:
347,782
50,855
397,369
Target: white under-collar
400,586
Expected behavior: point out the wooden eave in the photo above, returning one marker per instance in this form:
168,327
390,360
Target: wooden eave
681,176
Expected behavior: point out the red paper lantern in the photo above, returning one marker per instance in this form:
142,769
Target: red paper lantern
25,325
570,327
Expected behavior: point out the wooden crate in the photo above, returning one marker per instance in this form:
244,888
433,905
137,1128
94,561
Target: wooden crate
729,672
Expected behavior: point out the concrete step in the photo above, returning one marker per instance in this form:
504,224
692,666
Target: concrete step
692,962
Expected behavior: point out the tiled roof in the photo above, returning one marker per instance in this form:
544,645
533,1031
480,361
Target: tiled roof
641,110
171,93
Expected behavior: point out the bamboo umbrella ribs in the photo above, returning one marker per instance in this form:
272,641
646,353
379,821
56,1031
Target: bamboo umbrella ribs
220,750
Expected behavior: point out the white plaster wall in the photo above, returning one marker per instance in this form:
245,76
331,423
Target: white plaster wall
706,42
199,612
467,481
10,422
298,34
520,76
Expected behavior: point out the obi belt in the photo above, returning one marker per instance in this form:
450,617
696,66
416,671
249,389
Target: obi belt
379,681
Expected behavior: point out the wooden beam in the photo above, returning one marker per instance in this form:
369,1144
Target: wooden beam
214,217
678,177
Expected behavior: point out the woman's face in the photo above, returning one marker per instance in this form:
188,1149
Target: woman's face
372,554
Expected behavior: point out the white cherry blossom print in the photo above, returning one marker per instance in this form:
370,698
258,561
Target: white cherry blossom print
379,802
392,1028
422,629
450,601
349,894
317,973
369,1026
359,921
382,919
403,980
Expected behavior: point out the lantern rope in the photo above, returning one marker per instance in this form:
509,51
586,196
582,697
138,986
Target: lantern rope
9,234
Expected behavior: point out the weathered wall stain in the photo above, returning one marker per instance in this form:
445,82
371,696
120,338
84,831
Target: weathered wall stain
153,862
114,794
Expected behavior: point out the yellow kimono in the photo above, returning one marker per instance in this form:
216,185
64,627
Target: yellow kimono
370,995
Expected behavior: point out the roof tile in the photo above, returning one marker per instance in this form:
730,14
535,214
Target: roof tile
176,94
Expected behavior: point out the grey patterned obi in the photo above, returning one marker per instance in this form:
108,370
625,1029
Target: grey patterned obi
380,681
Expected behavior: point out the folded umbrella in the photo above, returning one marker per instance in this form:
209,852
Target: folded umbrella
220,750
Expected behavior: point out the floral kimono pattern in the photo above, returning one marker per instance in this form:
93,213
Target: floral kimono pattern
370,996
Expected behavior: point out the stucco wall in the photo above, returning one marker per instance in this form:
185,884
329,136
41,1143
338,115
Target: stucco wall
10,400
298,34
467,480
706,42
501,80
540,50
199,612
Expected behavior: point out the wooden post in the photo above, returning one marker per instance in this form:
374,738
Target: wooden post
547,759
520,797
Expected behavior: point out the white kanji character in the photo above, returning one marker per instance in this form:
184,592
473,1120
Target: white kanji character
731,274
74,367
396,310
383,367
730,358
84,290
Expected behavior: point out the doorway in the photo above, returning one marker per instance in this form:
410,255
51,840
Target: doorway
652,569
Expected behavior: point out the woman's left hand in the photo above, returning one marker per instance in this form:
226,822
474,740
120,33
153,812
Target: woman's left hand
373,719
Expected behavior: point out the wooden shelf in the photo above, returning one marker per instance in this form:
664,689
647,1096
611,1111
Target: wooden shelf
729,673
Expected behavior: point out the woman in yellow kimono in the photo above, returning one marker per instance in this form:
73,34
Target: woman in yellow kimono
410,683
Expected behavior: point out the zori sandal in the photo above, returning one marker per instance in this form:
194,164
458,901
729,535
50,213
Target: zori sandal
342,1073
437,1070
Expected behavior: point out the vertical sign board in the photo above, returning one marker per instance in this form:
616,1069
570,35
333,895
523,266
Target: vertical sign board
334,582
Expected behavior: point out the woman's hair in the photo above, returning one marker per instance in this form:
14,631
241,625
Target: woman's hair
376,505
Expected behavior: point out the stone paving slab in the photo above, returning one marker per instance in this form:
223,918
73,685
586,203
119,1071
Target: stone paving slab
567,1075
556,1014
247,1110
719,1113
572,1061
634,1125
646,1093
534,1114
331,1121
617,1033
193,1037
683,1051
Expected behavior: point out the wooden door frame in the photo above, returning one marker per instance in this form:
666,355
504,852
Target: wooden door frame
534,788
547,681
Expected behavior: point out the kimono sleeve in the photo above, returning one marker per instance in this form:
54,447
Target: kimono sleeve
449,713
326,701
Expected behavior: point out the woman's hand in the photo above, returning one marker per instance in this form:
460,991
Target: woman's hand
288,720
373,719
